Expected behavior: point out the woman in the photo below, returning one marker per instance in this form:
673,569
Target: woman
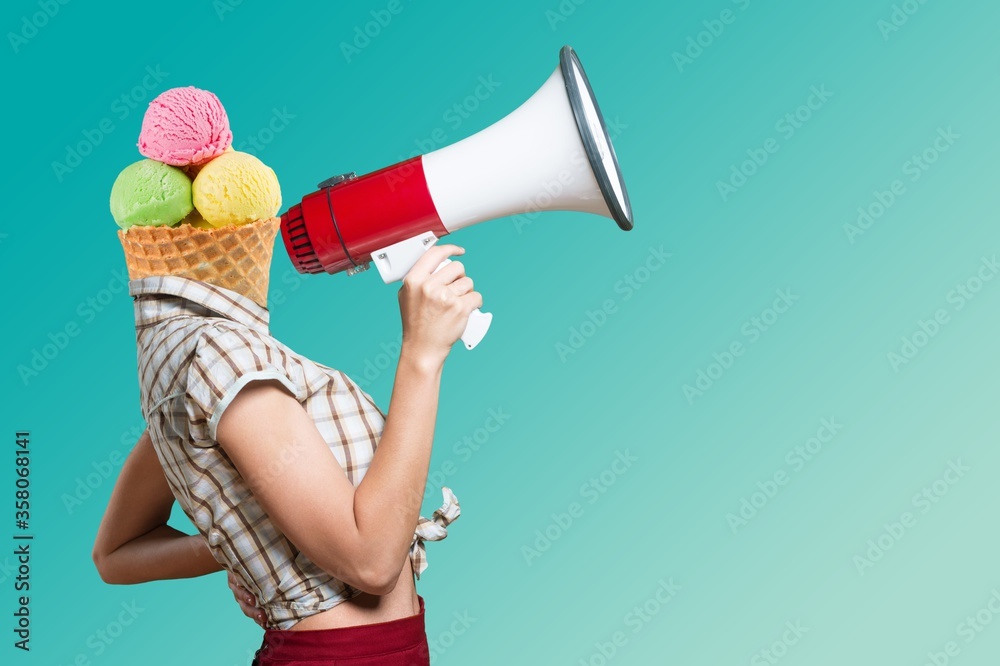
274,459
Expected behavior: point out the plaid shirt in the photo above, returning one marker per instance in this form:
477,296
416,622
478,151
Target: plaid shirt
198,345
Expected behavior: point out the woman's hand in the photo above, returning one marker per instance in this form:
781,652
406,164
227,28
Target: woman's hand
435,306
246,600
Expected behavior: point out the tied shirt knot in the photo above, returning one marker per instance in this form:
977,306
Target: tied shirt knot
434,529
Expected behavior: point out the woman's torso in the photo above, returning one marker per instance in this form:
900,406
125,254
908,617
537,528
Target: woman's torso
240,535
369,608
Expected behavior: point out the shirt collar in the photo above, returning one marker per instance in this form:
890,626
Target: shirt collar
189,295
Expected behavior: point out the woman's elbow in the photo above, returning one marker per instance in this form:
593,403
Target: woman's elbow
364,564
378,583
370,576
104,568
100,563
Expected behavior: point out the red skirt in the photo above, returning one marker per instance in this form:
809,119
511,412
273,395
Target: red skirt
401,642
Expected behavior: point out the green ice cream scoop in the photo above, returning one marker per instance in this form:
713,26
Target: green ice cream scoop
150,193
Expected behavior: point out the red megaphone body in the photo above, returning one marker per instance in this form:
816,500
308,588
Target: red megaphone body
339,226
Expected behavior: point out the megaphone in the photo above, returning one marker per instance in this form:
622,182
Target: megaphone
551,153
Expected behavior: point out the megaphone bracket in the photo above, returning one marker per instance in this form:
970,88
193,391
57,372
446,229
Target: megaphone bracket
395,261
326,185
337,180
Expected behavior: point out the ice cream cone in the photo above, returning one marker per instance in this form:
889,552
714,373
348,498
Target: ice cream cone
233,257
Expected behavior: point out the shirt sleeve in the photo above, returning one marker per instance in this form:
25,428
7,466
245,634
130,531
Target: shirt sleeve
224,361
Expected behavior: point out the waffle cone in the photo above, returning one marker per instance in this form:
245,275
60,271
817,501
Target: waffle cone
233,257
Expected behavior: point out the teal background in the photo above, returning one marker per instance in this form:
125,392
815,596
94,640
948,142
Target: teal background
665,517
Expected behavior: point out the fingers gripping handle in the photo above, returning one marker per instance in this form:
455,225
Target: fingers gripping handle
479,321
395,261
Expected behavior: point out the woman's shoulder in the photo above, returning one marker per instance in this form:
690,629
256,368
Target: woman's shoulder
228,348
164,351
346,384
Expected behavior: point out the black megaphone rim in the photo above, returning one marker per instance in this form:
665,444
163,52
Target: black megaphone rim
621,214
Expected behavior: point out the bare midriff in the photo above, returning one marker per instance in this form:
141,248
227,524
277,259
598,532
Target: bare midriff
368,608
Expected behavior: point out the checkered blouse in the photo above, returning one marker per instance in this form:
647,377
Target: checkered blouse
198,345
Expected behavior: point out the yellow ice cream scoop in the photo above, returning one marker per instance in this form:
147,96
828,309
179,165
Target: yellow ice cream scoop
195,219
235,188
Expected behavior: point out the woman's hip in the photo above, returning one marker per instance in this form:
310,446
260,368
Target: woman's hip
401,642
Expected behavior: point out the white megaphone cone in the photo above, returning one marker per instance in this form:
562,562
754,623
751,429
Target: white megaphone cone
552,153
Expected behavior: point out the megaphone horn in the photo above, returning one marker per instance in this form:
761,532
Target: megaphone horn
551,153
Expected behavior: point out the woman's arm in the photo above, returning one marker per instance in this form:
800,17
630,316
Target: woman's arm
134,543
359,535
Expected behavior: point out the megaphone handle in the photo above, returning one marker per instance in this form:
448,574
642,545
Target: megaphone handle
478,324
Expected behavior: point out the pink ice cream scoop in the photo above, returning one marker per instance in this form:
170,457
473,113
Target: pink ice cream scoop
184,126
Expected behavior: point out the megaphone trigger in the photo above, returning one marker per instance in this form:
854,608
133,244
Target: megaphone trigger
479,321
475,330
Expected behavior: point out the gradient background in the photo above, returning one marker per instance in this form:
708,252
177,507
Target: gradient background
281,67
